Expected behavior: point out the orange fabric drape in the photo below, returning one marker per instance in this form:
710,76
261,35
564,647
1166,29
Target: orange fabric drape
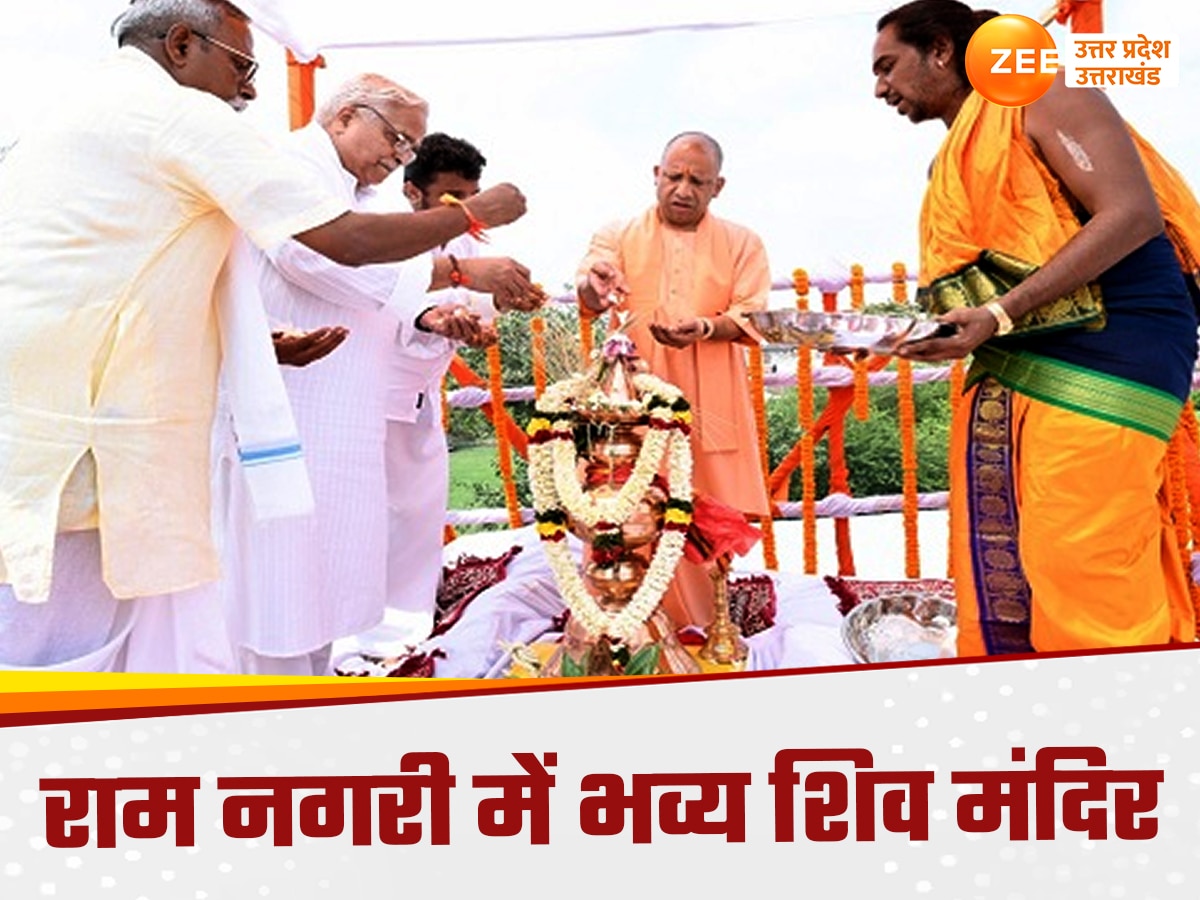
515,434
1085,16
301,89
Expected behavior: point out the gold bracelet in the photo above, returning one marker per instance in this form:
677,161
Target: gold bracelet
1004,324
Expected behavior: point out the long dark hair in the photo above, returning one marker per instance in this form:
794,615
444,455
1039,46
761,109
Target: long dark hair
922,23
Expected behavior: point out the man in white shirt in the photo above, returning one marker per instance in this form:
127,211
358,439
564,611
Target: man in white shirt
418,469
293,586
118,213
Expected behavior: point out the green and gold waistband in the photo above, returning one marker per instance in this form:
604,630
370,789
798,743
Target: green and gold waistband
1081,390
992,275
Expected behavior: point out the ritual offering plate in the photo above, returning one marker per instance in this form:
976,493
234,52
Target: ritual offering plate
901,627
844,332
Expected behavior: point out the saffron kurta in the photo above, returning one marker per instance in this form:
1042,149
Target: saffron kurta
673,275
719,268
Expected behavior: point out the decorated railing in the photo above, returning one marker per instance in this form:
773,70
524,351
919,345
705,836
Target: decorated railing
846,381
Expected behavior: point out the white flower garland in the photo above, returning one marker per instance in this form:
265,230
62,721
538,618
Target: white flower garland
584,608
557,492
615,509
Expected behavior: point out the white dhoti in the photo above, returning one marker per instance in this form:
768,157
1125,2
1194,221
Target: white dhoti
83,628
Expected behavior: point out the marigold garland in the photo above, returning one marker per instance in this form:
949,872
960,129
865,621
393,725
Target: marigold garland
537,328
503,446
1177,496
899,283
862,389
958,379
445,398
758,399
908,464
1191,447
804,412
1192,430
586,318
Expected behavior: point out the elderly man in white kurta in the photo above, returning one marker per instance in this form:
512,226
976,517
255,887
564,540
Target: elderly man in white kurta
118,213
294,586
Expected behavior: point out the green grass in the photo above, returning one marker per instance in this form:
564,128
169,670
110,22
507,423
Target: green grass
470,466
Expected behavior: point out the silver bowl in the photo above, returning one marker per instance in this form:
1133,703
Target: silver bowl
901,627
840,332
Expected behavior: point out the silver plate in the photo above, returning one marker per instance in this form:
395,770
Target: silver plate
901,627
840,332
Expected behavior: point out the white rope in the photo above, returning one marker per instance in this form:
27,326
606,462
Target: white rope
843,506
835,506
825,376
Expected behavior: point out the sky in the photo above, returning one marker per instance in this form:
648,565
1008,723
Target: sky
824,172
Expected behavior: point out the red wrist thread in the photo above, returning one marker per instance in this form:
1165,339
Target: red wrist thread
457,278
475,228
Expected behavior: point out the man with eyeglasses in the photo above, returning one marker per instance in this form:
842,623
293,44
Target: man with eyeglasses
118,214
417,457
292,586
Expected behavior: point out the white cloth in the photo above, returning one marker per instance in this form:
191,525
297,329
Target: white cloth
418,467
420,360
264,429
117,214
83,628
293,586
521,610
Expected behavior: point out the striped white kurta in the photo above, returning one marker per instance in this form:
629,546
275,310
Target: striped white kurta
292,586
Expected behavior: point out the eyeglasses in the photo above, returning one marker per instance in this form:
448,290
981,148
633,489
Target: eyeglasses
406,147
246,65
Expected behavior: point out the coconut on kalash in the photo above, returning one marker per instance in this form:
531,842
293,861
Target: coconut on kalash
610,461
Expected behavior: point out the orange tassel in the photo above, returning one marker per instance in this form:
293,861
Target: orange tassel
908,465
449,533
503,446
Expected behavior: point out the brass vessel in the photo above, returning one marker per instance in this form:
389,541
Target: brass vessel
614,573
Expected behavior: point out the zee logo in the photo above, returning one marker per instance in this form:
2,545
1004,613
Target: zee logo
1024,62
1011,60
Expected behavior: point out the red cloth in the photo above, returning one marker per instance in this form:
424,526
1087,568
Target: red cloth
718,531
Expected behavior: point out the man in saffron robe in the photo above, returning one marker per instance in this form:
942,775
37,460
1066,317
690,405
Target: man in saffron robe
688,278
1060,244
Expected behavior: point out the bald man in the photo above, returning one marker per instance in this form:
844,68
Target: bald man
689,278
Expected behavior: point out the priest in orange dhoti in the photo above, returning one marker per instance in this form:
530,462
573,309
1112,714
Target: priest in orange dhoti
1063,247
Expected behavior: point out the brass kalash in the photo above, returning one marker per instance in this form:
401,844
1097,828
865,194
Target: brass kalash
596,437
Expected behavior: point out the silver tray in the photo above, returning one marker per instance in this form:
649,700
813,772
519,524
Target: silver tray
841,332
901,628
